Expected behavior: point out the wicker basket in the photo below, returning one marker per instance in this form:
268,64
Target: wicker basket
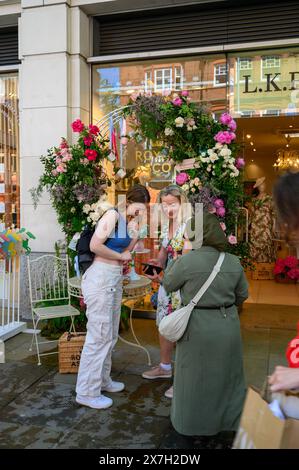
263,271
70,346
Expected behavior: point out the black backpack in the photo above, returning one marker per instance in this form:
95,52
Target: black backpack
85,256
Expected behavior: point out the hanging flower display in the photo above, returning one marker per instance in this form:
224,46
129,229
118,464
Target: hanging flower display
75,177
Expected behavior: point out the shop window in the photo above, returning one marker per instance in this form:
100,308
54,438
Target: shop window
148,84
220,74
245,64
178,78
9,152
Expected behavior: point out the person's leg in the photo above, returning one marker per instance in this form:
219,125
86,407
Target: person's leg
166,349
116,310
98,338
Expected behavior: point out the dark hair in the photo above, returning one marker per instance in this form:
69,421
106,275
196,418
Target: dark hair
138,193
286,198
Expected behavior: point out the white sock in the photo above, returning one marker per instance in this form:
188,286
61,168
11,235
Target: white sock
165,366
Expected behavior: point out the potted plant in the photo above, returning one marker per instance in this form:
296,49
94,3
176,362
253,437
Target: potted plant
287,269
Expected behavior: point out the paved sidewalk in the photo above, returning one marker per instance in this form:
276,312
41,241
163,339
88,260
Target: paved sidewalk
38,409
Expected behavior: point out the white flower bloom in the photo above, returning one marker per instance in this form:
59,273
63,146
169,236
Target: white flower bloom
194,127
88,219
185,187
73,210
168,131
218,146
209,168
210,151
225,152
202,154
179,121
213,173
189,128
191,183
214,157
196,181
86,208
193,190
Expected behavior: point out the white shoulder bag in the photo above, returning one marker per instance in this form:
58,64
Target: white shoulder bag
173,326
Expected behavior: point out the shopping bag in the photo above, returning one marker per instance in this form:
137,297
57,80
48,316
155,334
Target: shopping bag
260,429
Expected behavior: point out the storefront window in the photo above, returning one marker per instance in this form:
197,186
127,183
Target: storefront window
205,78
9,152
264,83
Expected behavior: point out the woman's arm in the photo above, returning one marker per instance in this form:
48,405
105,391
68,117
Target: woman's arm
174,276
104,228
241,291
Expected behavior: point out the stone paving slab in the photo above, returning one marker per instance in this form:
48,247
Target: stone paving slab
16,436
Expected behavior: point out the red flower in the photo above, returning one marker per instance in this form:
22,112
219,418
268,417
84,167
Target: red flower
94,129
278,269
78,126
88,141
293,273
90,154
291,262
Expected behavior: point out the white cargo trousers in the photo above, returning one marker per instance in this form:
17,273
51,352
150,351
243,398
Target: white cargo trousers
102,292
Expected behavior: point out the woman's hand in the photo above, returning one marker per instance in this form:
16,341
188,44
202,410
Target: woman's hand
125,256
155,277
155,262
284,378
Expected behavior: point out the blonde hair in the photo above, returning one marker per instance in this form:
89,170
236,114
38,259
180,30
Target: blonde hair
174,190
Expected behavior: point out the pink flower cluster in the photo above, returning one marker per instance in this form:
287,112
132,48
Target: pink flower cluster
240,163
288,266
181,178
219,206
225,137
227,120
62,157
177,101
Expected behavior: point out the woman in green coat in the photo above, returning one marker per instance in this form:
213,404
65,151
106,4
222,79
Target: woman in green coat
209,386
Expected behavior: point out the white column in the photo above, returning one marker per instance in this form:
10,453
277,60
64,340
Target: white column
54,90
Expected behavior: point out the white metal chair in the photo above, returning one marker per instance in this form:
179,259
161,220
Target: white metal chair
48,284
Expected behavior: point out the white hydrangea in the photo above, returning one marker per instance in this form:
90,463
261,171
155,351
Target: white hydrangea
179,121
225,152
168,131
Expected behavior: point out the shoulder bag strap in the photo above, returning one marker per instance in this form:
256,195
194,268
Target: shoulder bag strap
209,281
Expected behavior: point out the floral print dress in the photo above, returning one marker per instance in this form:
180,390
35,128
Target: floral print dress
262,230
167,303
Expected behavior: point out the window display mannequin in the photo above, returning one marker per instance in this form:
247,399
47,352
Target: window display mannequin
262,224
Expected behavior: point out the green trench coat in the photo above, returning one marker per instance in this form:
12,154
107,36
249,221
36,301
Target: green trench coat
209,386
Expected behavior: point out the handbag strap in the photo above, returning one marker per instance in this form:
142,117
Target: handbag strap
209,281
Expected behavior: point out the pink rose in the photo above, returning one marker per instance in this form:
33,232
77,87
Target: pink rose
185,93
221,211
177,101
223,226
54,172
63,144
181,178
94,130
240,163
225,119
67,158
58,160
78,126
278,269
90,154
232,125
232,240
61,169
218,203
88,141
225,137
291,262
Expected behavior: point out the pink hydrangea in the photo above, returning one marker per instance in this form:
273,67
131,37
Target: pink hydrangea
88,141
181,178
78,126
54,172
90,154
221,211
218,203
61,169
177,101
225,137
240,163
291,262
232,125
94,130
225,119
185,93
232,239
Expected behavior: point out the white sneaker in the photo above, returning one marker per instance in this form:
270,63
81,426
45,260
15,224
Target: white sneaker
169,392
114,387
99,403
